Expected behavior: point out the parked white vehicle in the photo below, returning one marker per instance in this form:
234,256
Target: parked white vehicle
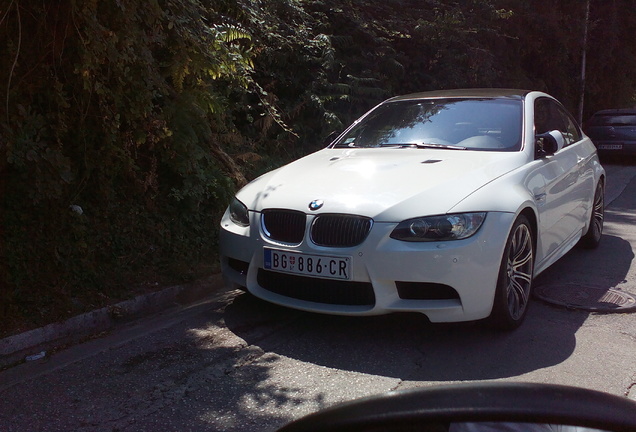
447,203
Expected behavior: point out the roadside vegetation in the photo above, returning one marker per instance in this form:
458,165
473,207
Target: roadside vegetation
126,126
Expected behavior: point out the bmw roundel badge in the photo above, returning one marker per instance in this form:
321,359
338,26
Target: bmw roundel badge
316,204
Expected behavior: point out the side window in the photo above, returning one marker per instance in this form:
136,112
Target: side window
549,115
572,133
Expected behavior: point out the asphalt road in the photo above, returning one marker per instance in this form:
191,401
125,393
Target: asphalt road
234,363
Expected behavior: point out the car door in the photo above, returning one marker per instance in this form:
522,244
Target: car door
562,205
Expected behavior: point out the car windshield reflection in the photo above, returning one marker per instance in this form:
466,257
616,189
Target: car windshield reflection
493,124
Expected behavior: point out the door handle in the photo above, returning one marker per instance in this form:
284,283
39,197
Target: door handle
540,197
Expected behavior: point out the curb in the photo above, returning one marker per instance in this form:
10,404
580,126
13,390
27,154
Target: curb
15,349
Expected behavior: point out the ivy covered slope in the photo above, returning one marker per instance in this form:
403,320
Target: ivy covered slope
115,132
125,126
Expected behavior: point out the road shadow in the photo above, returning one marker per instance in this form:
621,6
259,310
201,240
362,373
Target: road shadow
408,347
193,375
603,268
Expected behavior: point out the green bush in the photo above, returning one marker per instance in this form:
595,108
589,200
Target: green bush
112,123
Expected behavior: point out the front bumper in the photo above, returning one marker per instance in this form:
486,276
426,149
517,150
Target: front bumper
447,281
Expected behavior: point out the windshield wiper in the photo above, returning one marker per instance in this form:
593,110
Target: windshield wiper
441,146
427,145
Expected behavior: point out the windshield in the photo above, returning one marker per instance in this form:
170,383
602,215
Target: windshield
456,124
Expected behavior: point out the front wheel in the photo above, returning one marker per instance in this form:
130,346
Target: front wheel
514,283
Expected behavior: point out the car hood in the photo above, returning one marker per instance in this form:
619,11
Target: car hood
385,184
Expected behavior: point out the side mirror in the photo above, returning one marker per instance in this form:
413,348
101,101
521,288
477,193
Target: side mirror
548,143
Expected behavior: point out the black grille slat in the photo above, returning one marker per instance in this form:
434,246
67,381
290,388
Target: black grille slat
340,230
286,226
326,291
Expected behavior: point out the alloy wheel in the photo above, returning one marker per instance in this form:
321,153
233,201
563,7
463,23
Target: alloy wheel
599,210
519,271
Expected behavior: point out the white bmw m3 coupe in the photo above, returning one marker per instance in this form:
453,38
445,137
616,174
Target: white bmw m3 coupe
447,203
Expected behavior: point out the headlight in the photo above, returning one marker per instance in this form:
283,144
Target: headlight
238,213
439,228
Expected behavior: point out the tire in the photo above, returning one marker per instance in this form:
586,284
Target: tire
592,237
514,283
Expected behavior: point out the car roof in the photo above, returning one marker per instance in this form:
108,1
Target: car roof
621,111
466,93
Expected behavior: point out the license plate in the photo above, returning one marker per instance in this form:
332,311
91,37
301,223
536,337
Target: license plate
610,147
325,266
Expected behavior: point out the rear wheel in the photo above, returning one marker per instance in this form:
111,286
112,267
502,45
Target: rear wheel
514,283
592,238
